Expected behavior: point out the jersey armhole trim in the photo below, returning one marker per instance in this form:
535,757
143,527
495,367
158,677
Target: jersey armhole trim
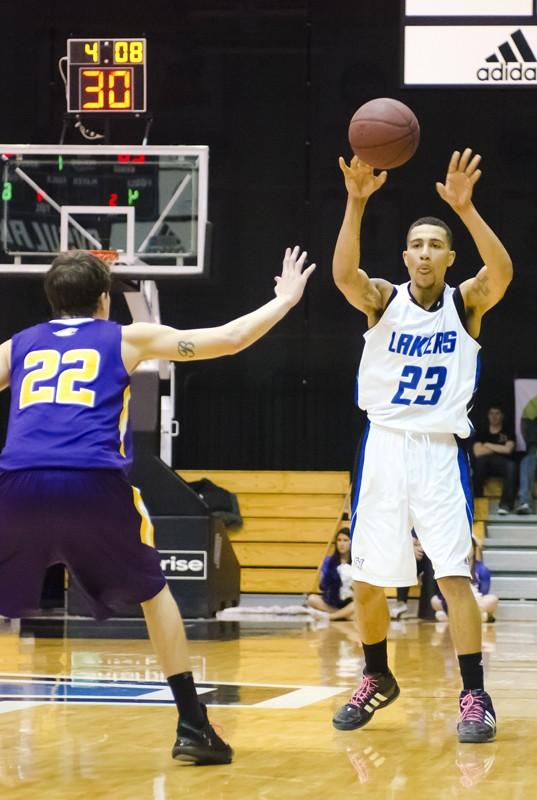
392,297
458,301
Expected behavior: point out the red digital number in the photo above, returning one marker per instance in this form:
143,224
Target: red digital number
119,86
106,89
96,87
125,159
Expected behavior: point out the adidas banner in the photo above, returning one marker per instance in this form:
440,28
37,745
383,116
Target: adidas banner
469,8
470,55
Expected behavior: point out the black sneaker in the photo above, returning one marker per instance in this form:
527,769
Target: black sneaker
201,745
375,691
523,508
477,722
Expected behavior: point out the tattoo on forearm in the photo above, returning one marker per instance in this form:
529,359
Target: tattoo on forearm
186,349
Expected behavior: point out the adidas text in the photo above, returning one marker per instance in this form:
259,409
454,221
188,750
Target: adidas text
505,72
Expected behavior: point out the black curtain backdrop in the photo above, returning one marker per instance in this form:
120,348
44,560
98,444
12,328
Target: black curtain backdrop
270,87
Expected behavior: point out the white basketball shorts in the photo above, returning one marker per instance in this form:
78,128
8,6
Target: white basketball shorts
408,481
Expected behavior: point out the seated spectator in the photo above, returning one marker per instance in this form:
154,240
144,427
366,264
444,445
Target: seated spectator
336,598
493,456
481,587
528,428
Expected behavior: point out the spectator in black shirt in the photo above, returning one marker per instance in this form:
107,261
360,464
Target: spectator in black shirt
493,450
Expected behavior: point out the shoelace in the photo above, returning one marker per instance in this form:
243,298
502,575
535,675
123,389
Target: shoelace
472,708
367,687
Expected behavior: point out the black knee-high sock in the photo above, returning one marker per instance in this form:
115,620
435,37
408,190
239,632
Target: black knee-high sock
376,657
186,698
471,667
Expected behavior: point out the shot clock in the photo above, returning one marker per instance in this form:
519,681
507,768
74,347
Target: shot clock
106,75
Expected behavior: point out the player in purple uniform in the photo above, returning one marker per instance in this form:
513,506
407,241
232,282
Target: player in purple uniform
64,495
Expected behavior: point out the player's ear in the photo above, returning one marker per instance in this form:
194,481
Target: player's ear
452,257
103,304
405,257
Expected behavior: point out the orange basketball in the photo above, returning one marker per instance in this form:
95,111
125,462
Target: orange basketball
384,133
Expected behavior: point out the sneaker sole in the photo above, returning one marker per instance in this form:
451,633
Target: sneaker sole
475,739
354,727
202,761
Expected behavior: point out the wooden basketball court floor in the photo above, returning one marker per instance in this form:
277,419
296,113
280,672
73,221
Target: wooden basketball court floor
90,718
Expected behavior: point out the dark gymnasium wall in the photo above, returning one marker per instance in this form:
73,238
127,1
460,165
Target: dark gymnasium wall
270,86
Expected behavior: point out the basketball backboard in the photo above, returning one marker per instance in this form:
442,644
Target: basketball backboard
148,202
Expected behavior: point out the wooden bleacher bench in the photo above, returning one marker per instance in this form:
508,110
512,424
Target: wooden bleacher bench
289,519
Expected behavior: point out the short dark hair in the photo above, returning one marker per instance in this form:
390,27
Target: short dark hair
74,283
432,221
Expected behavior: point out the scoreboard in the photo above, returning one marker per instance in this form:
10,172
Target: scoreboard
106,75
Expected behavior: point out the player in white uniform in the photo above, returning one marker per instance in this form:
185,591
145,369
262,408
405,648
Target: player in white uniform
416,379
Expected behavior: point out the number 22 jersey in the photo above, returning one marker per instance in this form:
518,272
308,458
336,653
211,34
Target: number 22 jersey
69,397
419,368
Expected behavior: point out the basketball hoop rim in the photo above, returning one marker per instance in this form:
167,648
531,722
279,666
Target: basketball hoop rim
109,257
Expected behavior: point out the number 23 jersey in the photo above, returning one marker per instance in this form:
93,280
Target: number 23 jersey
69,397
419,368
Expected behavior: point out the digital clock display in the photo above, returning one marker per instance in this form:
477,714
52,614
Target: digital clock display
106,75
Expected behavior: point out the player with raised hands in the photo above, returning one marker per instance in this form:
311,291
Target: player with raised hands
416,380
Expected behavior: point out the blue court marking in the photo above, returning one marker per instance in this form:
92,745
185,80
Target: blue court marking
86,690
20,689
65,690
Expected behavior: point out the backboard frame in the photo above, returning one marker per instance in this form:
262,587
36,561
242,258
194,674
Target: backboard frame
137,269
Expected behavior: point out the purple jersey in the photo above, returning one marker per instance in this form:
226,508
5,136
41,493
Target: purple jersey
69,397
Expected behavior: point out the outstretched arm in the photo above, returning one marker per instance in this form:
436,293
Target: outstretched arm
142,340
489,285
5,361
366,294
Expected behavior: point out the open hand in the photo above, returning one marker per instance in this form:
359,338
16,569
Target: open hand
360,179
462,176
290,284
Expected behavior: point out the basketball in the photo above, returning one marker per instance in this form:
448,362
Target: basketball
384,133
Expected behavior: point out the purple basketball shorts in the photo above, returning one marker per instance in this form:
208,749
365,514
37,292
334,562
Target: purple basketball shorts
93,521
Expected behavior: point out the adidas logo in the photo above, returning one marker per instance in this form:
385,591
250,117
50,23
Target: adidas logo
489,719
512,62
375,702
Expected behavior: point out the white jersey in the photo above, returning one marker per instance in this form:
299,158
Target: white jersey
419,368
